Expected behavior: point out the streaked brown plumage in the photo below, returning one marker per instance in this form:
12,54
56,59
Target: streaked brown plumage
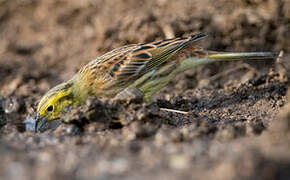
116,70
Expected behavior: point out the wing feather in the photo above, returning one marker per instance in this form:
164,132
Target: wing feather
132,61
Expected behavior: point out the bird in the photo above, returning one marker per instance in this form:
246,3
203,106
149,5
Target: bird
143,67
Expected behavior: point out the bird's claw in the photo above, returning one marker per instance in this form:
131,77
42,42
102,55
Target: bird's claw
130,95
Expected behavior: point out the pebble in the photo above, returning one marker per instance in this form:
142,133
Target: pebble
179,161
30,123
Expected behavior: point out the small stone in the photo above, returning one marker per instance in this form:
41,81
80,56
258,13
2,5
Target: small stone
13,104
30,123
179,161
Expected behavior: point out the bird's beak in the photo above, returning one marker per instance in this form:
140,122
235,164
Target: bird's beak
41,123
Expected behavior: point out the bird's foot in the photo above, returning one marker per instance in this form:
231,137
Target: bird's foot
130,95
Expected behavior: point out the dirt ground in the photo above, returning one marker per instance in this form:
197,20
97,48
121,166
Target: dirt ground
235,122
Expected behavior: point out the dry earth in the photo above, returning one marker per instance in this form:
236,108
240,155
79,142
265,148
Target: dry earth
237,124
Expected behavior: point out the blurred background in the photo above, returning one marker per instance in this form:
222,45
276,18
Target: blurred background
44,42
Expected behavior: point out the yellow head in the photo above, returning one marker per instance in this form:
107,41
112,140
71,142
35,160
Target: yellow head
53,103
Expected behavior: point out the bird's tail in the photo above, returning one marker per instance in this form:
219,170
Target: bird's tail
212,56
229,56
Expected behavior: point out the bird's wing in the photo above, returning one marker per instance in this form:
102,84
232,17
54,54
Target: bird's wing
130,62
145,57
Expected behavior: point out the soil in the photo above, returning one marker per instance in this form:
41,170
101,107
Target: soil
231,119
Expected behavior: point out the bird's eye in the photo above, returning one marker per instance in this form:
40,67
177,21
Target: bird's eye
50,108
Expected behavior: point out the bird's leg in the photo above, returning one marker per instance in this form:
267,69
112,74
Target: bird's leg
130,94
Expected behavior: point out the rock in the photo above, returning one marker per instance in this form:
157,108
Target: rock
179,161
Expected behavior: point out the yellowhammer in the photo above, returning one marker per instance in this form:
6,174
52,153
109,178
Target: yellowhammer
146,67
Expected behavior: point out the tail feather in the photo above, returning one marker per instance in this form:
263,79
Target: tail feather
224,56
229,56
